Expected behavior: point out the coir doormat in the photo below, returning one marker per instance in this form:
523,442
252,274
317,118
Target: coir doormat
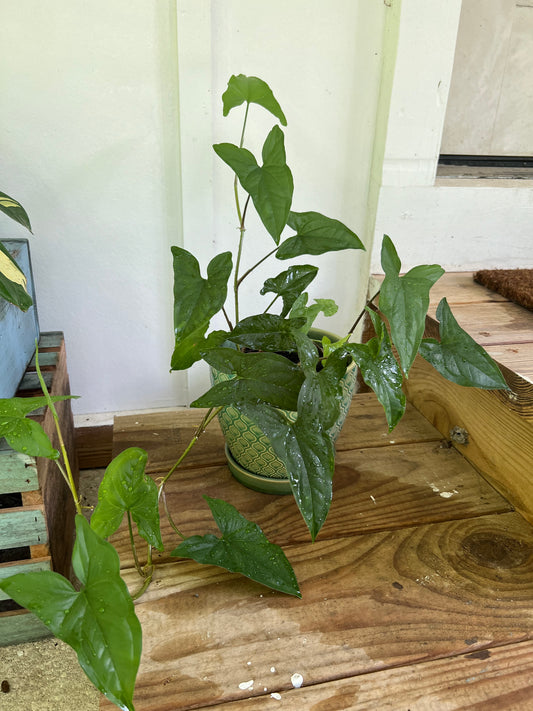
515,284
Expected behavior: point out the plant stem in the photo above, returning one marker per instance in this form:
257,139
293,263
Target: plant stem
133,548
256,265
236,280
144,586
67,474
169,517
271,304
210,415
368,303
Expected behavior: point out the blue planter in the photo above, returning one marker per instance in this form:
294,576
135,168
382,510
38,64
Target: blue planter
18,329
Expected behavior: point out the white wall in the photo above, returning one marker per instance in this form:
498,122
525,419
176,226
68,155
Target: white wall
87,144
94,146
461,224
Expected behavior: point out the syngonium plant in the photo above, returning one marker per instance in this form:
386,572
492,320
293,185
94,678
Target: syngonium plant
12,279
97,617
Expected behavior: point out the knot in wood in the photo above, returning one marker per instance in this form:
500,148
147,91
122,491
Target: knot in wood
459,435
493,550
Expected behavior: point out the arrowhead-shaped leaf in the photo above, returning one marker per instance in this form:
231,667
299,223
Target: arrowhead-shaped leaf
126,488
306,450
458,357
98,621
316,234
22,434
14,210
405,300
266,332
252,91
265,377
300,310
13,281
290,284
270,186
196,301
243,549
380,370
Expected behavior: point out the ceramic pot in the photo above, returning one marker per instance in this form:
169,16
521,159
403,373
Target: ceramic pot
251,459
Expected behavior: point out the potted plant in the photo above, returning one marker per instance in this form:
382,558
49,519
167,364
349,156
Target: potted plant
272,368
18,317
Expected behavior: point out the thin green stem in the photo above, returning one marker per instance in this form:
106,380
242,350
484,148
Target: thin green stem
257,264
169,517
144,586
368,303
133,547
271,304
67,473
236,280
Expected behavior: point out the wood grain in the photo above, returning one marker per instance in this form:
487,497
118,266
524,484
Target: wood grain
370,602
374,489
482,680
500,440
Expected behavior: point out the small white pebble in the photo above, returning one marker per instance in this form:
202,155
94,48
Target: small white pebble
244,685
249,663
276,696
272,669
297,680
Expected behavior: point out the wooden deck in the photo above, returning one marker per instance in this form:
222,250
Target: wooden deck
417,594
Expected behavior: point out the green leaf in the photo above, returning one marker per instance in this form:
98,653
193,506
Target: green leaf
381,371
265,377
290,284
266,332
13,209
306,450
316,234
98,621
13,281
22,434
196,301
300,310
126,488
405,301
243,549
458,357
252,91
270,186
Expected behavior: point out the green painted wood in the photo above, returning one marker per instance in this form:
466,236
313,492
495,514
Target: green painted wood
27,566
22,527
21,627
46,360
51,339
30,381
18,472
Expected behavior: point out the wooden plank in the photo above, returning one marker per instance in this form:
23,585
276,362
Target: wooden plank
460,288
94,445
500,439
27,566
20,626
22,526
165,435
518,357
482,680
494,323
374,489
18,472
370,602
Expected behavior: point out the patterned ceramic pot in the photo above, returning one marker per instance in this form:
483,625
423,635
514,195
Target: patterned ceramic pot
250,456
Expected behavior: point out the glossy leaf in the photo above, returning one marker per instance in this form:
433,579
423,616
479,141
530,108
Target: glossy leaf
300,310
266,332
290,284
316,234
458,357
265,377
196,301
306,450
251,90
22,434
13,281
243,549
270,186
98,621
380,370
126,488
13,209
405,300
